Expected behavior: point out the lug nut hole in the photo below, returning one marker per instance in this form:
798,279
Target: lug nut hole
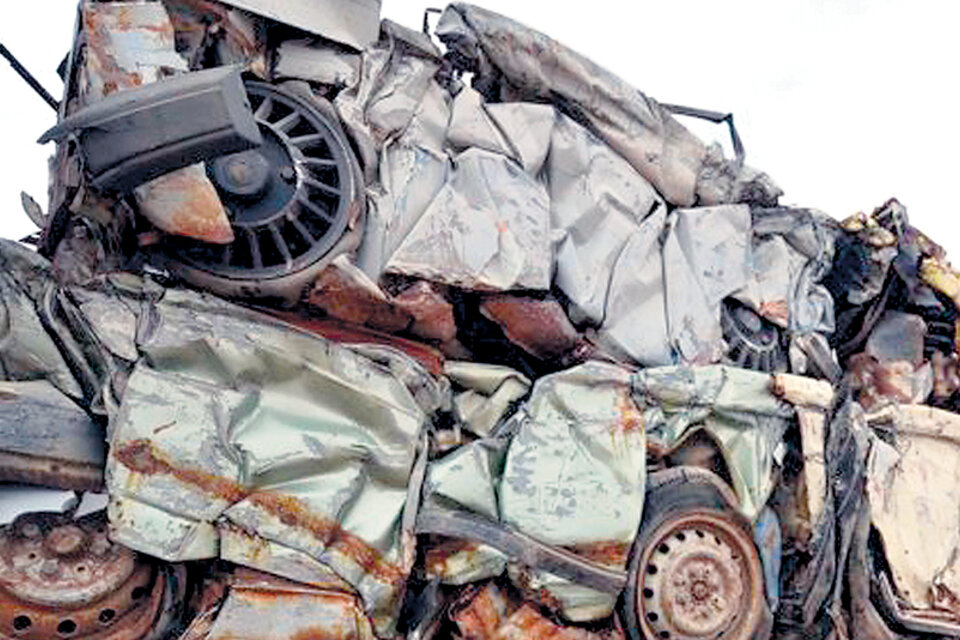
66,627
22,623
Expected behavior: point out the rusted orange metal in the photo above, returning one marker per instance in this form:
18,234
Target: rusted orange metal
342,332
141,456
64,578
539,327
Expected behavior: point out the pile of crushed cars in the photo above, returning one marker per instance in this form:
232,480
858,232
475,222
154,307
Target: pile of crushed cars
368,337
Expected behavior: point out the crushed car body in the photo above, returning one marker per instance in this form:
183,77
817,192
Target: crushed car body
366,332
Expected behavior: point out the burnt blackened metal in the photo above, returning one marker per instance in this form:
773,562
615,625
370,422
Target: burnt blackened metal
132,136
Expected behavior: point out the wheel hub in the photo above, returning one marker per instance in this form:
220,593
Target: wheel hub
242,174
288,200
697,580
62,578
703,593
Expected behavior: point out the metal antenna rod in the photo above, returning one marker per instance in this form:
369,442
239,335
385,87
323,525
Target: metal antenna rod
26,75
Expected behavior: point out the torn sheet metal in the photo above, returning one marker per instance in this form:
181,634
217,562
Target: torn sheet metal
208,33
128,45
382,105
864,254
249,550
913,483
138,134
892,365
346,293
432,313
518,130
535,67
460,562
539,327
487,228
47,440
670,278
27,350
736,407
487,614
412,169
266,608
812,399
468,477
574,470
352,22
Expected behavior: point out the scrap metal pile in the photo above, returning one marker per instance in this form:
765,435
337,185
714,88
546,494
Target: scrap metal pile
367,336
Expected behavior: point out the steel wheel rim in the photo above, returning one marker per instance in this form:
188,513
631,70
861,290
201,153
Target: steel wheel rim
700,577
63,578
303,211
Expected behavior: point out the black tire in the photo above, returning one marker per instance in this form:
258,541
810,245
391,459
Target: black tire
689,528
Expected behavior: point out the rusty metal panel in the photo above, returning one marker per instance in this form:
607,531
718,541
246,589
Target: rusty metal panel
269,609
128,45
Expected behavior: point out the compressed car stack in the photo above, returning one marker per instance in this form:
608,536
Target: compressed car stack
359,335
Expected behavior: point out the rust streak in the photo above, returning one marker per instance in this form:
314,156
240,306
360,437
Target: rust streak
631,419
336,331
142,457
612,553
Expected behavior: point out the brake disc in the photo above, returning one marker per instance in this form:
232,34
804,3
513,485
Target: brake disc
63,578
290,201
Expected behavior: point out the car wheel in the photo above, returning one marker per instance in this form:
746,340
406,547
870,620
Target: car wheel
294,203
694,571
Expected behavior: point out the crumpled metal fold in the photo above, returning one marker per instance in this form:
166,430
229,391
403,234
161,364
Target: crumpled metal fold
487,228
736,407
231,417
537,68
670,278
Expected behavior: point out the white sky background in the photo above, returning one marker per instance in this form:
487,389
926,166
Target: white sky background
845,103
